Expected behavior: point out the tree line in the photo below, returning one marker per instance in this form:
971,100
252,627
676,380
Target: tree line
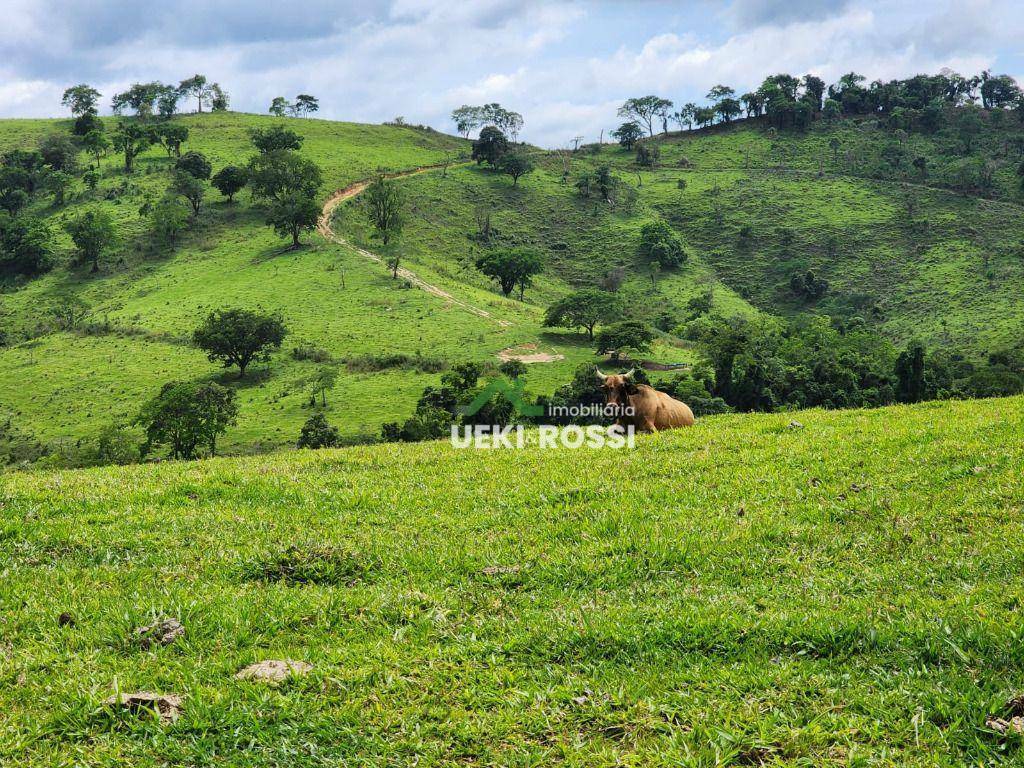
788,101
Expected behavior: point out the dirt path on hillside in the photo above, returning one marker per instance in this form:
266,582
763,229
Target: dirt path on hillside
324,228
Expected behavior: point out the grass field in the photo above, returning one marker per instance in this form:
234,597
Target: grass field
842,593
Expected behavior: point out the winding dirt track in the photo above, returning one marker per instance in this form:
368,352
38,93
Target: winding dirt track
324,228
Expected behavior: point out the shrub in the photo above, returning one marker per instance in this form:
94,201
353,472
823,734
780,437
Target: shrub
318,433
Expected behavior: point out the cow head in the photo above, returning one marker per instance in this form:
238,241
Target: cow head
617,388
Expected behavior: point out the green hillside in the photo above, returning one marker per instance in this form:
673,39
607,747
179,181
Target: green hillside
908,252
913,258
60,387
746,592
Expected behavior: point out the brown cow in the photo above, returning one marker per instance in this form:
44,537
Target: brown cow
652,410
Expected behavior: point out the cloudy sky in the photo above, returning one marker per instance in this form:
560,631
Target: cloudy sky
564,64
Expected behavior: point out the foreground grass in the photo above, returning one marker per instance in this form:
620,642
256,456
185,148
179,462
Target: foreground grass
842,593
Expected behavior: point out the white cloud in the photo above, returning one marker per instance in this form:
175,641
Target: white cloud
564,64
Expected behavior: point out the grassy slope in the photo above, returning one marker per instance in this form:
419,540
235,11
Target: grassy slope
78,384
918,261
843,594
951,272
939,265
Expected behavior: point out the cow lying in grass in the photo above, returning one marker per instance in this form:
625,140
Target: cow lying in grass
641,406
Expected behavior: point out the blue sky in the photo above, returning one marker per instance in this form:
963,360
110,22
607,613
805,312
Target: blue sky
564,64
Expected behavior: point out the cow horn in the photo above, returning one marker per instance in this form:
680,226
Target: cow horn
629,374
600,375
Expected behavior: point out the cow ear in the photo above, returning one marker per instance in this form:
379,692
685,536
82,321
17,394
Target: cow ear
631,387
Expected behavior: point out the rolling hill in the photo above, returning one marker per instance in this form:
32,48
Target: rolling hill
840,592
61,386
902,249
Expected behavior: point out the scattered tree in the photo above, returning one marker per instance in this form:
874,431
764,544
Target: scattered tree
292,213
59,152
189,187
187,415
167,219
139,98
467,119
26,245
96,144
219,98
645,109
583,309
658,242
167,101
490,146
628,335
807,286
515,164
511,267
280,106
384,204
628,134
280,172
324,380
275,138
93,232
195,87
194,164
81,99
172,136
230,180
305,104
131,139
239,337
57,183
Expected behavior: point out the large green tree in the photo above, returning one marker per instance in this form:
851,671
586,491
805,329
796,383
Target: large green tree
190,188
238,337
131,139
26,245
274,138
628,134
187,415
583,309
172,136
490,146
625,336
645,110
511,267
230,180
92,232
195,87
81,99
658,242
280,172
194,164
293,213
515,164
